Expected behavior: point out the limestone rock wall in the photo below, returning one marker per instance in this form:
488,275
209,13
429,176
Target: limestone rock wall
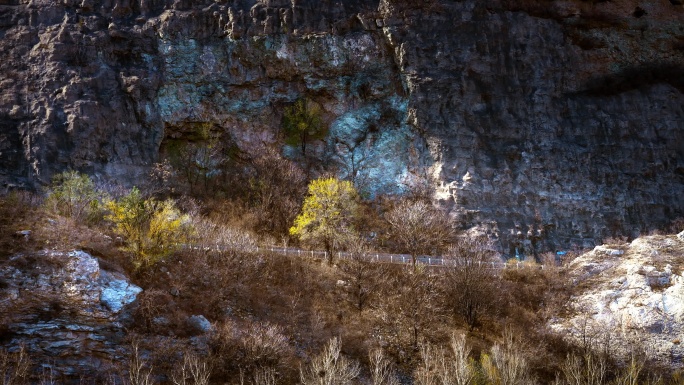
548,124
562,129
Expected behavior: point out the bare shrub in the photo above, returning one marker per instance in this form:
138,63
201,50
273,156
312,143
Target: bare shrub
591,335
460,369
209,234
330,367
265,376
194,370
409,310
470,284
382,372
276,189
588,369
442,366
139,371
152,305
506,364
419,228
14,367
630,374
426,373
254,351
364,278
264,345
47,376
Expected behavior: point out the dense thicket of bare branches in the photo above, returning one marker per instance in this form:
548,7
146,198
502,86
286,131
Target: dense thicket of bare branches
419,228
364,279
471,285
330,367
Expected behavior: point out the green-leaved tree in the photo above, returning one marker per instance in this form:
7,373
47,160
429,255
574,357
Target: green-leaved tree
327,215
73,195
303,122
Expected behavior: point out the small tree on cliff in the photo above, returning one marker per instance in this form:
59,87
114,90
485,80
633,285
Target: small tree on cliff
303,122
327,215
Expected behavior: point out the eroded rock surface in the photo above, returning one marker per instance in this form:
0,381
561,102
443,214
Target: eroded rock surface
630,299
548,124
68,312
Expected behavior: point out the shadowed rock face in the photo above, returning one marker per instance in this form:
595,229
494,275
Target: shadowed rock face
548,124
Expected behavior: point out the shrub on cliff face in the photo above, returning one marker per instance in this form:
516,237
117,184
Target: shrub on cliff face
302,123
151,229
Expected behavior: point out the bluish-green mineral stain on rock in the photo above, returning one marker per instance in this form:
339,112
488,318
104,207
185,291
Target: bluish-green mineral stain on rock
247,80
372,151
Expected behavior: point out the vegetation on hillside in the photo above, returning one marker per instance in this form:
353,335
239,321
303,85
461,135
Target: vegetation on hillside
327,215
151,229
279,319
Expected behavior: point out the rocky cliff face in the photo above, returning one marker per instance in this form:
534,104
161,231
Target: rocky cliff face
550,124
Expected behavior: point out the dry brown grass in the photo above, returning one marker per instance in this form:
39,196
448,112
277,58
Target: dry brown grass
18,212
309,302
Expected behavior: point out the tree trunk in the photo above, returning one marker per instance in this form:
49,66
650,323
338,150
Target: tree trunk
329,251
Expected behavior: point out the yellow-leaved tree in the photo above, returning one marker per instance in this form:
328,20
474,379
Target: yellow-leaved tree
327,215
151,229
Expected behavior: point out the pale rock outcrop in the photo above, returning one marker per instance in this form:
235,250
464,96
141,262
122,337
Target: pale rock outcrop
629,298
68,312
